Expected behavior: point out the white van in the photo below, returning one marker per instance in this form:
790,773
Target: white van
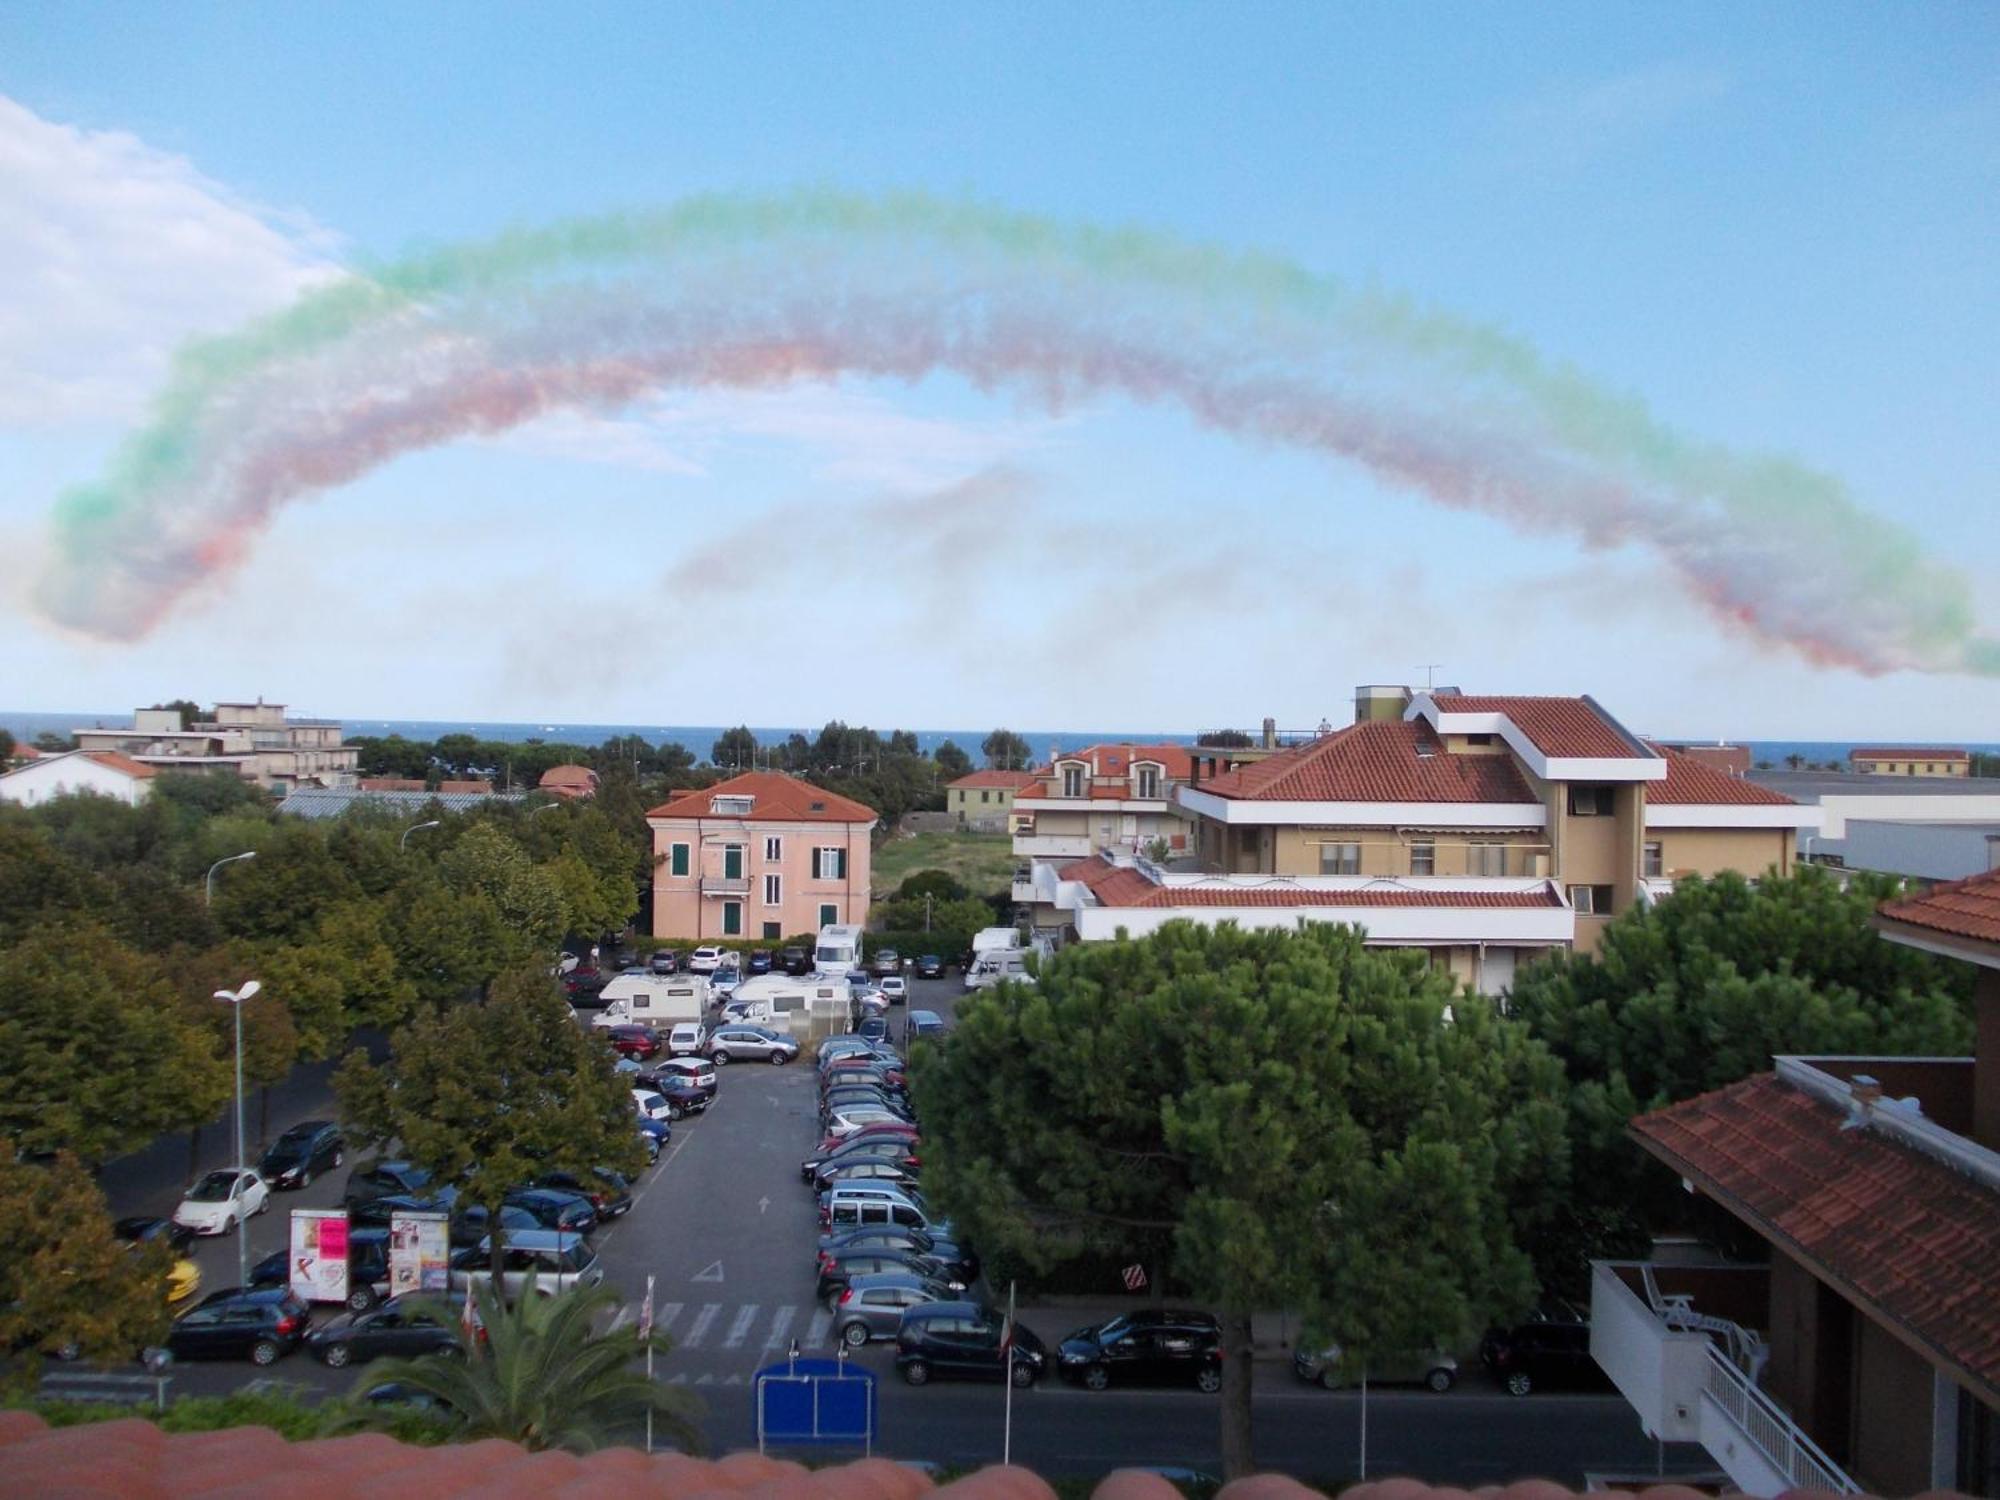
659,1000
837,950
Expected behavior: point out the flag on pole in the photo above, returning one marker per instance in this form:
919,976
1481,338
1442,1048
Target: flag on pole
1007,1333
646,1314
468,1317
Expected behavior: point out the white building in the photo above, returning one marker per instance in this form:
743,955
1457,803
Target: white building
105,772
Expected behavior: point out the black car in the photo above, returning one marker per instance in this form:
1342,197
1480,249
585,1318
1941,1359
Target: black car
367,1268
834,1100
865,1148
1550,1351
259,1326
885,962
1145,1348
875,1029
553,1208
609,1192
383,1179
759,961
469,1224
959,1264
930,966
144,1229
665,961
684,1096
302,1153
885,1171
402,1326
836,1271
964,1341
796,961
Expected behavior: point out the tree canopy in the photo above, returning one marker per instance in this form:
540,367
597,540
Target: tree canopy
1225,739
951,760
1270,1118
1006,751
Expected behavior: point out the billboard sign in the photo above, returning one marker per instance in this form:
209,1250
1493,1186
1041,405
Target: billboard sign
419,1253
318,1261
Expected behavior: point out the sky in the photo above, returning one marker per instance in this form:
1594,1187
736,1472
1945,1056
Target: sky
1747,486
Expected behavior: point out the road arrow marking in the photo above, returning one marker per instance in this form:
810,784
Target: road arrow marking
763,1205
713,1273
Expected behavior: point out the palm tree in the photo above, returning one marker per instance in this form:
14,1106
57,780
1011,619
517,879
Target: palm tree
540,1374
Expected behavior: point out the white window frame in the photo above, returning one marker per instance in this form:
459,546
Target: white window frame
774,849
826,861
1073,774
1147,777
1345,857
1653,859
1425,850
1587,905
774,890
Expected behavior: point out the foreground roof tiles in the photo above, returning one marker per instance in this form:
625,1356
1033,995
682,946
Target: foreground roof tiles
1968,908
1379,761
1114,885
1692,781
775,798
1900,1232
1561,727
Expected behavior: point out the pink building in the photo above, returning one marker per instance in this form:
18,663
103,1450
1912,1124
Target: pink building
759,855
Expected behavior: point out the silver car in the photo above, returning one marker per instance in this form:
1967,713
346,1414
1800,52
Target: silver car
558,1260
736,1043
1435,1369
871,1307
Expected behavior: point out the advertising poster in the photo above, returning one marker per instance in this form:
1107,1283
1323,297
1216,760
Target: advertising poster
419,1247
319,1254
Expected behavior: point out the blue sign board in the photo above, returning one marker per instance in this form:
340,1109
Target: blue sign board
815,1401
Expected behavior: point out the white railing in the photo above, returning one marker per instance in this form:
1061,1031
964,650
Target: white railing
1758,1418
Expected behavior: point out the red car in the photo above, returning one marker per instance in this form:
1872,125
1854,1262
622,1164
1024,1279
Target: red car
883,1130
634,1041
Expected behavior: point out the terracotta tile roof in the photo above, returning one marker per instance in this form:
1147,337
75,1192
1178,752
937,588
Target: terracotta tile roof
1968,908
1014,780
1379,761
1909,752
1176,761
118,761
776,798
1912,1239
1114,885
1555,726
576,776
1689,780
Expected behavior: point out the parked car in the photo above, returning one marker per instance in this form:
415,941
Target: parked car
401,1327
145,1228
723,982
683,1096
896,990
376,1212
867,1169
1321,1367
686,1038
759,962
886,961
367,1268
964,1341
302,1153
665,961
865,1213
896,1149
696,1071
796,961
382,1178
1550,1351
556,1208
745,1043
890,1126
842,1095
1145,1348
705,960
930,966
651,1104
920,1024
841,1271
872,1307
472,1223
222,1200
609,1192
961,1263
836,1047
558,1261
874,1028
582,984
260,1325
654,1134
633,1041
863,1069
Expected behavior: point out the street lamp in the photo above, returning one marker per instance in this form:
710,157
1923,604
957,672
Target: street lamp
208,881
404,842
235,999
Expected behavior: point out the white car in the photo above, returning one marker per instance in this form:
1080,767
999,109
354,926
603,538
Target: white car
698,1071
653,1106
895,990
686,1039
222,1200
722,983
845,1122
705,960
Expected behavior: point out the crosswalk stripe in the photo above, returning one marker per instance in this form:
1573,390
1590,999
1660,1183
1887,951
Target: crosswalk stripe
781,1327
664,1319
740,1329
698,1329
816,1333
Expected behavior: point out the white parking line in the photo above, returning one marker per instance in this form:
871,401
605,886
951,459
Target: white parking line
781,1327
816,1332
703,1321
740,1329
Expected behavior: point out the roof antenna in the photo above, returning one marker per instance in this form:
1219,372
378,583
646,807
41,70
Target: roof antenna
1430,673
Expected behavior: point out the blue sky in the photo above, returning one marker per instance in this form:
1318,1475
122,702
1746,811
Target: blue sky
1774,224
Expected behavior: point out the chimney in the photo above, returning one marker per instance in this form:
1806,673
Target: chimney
1270,734
1379,701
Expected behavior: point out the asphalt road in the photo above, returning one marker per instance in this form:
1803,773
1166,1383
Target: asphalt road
727,1230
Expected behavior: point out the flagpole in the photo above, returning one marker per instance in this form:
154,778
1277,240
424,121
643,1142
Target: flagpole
1007,1379
648,1334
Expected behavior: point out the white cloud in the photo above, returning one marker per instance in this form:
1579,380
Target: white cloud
112,252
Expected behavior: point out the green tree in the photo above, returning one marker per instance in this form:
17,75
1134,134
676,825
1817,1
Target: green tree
942,885
1006,751
488,1095
1263,1119
1225,739
66,1283
485,860
39,884
450,944
952,761
544,1376
734,750
51,743
6,747
187,708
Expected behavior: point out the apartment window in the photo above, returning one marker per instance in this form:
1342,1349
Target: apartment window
1072,781
985,796
1423,858
1591,900
774,850
1340,859
1148,780
1590,801
732,919
774,929
773,891
732,861
1652,860
1486,859
829,864
828,914
1479,739
678,860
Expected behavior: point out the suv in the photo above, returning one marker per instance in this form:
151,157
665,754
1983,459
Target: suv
705,960
306,1149
727,1043
259,1325
886,961
964,1341
1551,1349
559,1263
686,1039
796,961
1145,1348
871,1307
665,961
930,966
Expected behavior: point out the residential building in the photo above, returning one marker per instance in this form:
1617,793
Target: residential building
255,741
762,854
1864,1351
1104,797
107,773
569,782
477,788
984,800
1910,761
1842,796
1921,851
1485,829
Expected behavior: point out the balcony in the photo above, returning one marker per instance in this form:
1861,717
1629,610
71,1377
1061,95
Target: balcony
1691,1375
725,885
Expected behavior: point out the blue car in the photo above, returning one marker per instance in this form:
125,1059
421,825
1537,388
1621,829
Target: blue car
659,1130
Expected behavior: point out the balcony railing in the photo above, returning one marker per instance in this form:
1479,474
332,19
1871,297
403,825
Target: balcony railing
725,885
1776,1435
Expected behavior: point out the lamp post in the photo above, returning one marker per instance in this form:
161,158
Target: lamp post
404,842
235,999
208,881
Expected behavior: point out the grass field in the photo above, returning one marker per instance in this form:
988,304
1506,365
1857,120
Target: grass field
984,862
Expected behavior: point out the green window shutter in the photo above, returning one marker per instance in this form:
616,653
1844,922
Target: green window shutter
732,919
680,866
732,862
840,864
828,915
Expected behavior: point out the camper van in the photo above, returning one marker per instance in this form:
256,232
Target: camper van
660,1000
995,964
837,950
811,1005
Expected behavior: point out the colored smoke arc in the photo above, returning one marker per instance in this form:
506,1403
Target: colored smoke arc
759,291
